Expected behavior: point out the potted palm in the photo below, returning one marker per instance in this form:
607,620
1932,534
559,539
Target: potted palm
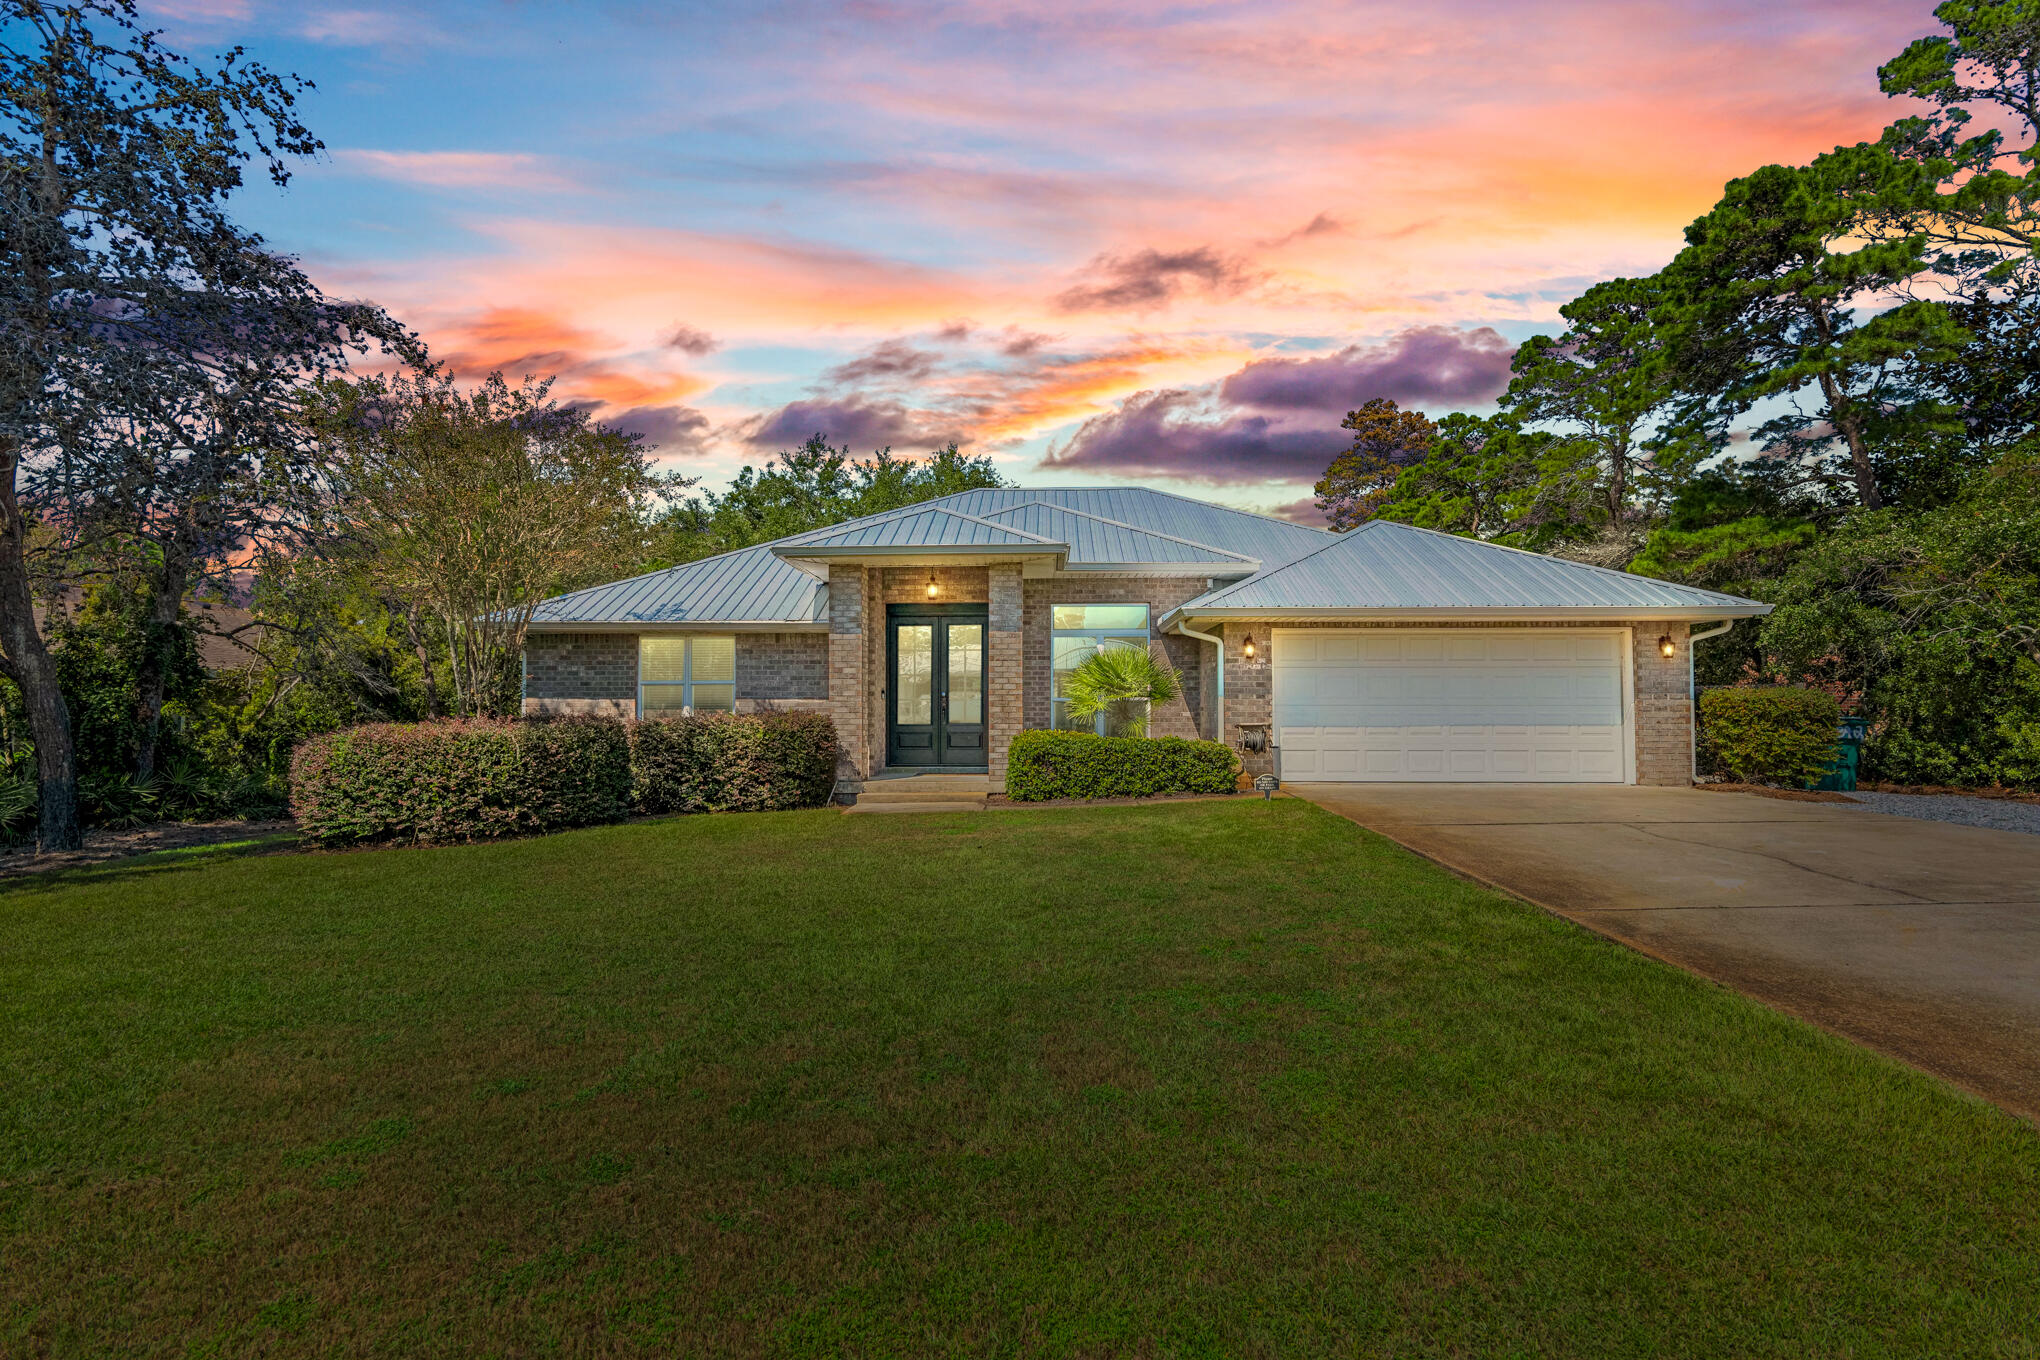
1124,683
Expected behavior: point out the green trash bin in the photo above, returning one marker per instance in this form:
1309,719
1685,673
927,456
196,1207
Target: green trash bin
1841,774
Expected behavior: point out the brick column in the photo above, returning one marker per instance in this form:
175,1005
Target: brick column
1664,705
847,671
1005,688
1249,691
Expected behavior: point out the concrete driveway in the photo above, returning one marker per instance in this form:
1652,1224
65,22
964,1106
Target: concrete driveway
1918,938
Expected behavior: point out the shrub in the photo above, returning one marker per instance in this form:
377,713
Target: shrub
721,762
1770,734
475,780
1044,765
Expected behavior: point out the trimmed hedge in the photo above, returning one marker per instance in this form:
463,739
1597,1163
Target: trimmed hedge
1770,734
435,783
1044,765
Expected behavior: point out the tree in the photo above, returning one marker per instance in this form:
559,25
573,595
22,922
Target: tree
1126,682
1609,390
117,265
1762,290
478,505
811,487
1385,441
1479,479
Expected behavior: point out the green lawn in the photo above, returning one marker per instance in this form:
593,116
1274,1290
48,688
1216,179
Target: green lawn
1218,1079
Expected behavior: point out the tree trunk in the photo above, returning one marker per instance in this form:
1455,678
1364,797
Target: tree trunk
30,667
166,586
1841,412
432,708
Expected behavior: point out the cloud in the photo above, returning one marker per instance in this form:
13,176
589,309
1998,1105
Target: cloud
860,422
671,430
1324,224
1148,278
1174,434
458,169
890,361
368,28
1423,366
690,340
1305,512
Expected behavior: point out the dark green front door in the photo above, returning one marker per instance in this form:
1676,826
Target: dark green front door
935,684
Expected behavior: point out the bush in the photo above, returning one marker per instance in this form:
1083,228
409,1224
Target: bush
1044,765
476,780
720,762
1770,734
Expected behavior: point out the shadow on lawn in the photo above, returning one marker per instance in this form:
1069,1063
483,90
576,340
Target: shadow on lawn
179,860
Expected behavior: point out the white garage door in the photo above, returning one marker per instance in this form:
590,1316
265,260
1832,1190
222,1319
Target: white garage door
1450,705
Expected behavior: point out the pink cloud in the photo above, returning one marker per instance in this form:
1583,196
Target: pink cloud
454,170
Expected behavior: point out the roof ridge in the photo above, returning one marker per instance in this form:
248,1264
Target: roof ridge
1562,561
1214,505
823,535
1131,528
658,571
1211,597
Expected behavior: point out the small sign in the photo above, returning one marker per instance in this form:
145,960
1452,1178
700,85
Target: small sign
1266,784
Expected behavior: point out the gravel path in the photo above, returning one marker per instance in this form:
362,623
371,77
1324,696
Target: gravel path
1999,814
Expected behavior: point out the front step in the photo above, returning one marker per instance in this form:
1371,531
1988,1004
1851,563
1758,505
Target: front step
923,793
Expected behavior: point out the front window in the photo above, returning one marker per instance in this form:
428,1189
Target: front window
678,675
1080,631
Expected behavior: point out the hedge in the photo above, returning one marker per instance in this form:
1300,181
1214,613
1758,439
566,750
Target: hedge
1043,765
1772,734
476,780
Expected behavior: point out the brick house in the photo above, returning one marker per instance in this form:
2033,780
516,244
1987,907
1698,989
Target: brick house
933,634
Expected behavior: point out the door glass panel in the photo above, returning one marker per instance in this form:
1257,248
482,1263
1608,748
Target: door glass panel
715,661
966,672
914,689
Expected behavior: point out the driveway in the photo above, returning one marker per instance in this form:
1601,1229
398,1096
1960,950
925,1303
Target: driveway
1921,939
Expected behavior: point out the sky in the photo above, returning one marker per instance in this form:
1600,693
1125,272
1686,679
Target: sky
1140,242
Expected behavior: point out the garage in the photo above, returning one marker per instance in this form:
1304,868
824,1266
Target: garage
1525,705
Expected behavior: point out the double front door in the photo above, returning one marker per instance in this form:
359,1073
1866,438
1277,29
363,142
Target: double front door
935,684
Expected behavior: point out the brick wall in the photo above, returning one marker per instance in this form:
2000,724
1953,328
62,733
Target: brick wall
953,585
1005,682
782,666
1183,718
848,662
581,673
1663,706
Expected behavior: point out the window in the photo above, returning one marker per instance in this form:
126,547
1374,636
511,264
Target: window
1079,630
679,675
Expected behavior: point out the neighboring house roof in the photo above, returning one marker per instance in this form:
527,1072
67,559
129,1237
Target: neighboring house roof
1386,568
1264,566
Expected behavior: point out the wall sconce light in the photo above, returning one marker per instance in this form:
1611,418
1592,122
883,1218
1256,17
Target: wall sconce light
931,585
1667,648
1248,650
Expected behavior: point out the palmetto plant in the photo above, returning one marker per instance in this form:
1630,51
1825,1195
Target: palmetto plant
1117,676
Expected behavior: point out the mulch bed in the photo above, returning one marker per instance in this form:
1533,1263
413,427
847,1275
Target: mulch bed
2009,795
1000,800
103,844
1790,795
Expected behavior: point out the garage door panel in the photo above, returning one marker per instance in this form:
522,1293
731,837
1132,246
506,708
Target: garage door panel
1464,705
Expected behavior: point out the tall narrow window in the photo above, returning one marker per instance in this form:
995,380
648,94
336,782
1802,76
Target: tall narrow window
679,675
1080,631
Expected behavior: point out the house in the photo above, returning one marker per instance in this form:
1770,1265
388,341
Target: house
933,634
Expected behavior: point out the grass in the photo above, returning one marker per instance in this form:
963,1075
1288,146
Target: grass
1207,1079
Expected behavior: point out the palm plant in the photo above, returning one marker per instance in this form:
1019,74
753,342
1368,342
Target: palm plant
1128,681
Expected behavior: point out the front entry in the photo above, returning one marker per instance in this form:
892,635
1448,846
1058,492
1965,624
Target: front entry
935,682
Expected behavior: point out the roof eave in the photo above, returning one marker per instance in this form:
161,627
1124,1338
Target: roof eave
1421,614
807,553
678,625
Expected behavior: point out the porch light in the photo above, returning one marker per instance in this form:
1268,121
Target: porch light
932,591
1248,650
1667,648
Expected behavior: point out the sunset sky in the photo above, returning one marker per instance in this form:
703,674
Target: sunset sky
1155,242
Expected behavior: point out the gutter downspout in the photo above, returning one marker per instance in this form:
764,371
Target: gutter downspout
1693,690
1187,631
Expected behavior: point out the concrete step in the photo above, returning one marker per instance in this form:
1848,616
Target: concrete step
884,795
866,807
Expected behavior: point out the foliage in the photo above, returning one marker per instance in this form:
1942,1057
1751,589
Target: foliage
1479,479
721,762
1770,733
1360,481
477,505
1129,681
477,779
809,488
1043,765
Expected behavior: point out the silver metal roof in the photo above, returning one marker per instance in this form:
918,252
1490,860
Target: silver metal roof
921,527
1094,541
1384,567
747,586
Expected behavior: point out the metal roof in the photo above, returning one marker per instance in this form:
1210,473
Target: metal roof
1384,567
749,585
1094,540
915,529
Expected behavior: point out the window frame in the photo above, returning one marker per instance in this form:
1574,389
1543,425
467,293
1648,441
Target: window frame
1144,633
687,682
